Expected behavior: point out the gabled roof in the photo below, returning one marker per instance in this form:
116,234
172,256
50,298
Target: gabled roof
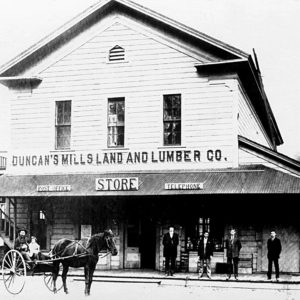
221,51
78,24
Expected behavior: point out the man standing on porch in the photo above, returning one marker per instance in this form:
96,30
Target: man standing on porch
170,243
205,252
233,246
274,250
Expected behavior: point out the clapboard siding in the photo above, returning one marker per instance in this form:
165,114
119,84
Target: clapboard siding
249,125
151,70
135,80
77,69
82,75
143,85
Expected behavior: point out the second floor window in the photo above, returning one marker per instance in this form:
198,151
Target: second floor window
116,118
63,125
172,120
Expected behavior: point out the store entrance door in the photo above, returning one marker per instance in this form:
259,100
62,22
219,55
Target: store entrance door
148,244
139,244
132,232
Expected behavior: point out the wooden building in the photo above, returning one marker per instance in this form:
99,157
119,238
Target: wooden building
124,118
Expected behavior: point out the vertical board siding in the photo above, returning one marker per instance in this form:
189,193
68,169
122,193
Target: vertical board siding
22,213
63,226
248,123
151,70
289,257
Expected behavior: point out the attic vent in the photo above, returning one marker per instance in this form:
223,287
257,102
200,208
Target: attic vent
116,53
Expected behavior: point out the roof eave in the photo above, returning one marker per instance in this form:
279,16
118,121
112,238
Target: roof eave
292,164
249,78
15,81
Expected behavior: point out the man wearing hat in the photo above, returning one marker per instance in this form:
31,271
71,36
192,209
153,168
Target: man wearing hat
21,244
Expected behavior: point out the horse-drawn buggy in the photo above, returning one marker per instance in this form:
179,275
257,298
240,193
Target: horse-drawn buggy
68,253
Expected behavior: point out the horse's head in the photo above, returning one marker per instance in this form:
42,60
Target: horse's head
103,241
110,242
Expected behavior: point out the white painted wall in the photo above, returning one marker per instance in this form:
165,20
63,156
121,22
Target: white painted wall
4,119
249,124
153,67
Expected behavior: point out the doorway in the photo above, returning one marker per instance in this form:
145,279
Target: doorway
132,233
148,244
140,244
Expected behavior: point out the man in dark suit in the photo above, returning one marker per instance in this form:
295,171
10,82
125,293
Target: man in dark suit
21,244
233,246
274,250
170,243
205,252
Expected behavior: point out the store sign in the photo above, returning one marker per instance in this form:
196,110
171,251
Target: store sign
53,188
104,158
184,186
117,184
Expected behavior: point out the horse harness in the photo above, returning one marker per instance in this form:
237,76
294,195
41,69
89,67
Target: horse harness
75,254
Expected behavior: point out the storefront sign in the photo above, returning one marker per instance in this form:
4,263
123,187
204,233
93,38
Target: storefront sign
117,158
117,184
184,186
53,188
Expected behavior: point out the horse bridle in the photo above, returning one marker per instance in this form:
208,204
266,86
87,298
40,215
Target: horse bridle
108,243
108,250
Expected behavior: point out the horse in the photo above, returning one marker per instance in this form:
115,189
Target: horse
81,253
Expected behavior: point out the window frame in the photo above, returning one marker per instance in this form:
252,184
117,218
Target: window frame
57,147
179,120
109,100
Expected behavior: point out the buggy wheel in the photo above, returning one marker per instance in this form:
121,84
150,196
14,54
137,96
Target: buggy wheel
13,272
48,280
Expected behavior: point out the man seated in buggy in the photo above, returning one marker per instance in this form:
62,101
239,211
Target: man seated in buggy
21,244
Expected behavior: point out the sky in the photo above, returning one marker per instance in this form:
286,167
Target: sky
269,26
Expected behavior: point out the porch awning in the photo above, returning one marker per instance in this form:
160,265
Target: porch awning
257,180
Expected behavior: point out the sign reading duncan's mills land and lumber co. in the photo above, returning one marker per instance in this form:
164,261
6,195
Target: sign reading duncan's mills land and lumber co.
109,160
